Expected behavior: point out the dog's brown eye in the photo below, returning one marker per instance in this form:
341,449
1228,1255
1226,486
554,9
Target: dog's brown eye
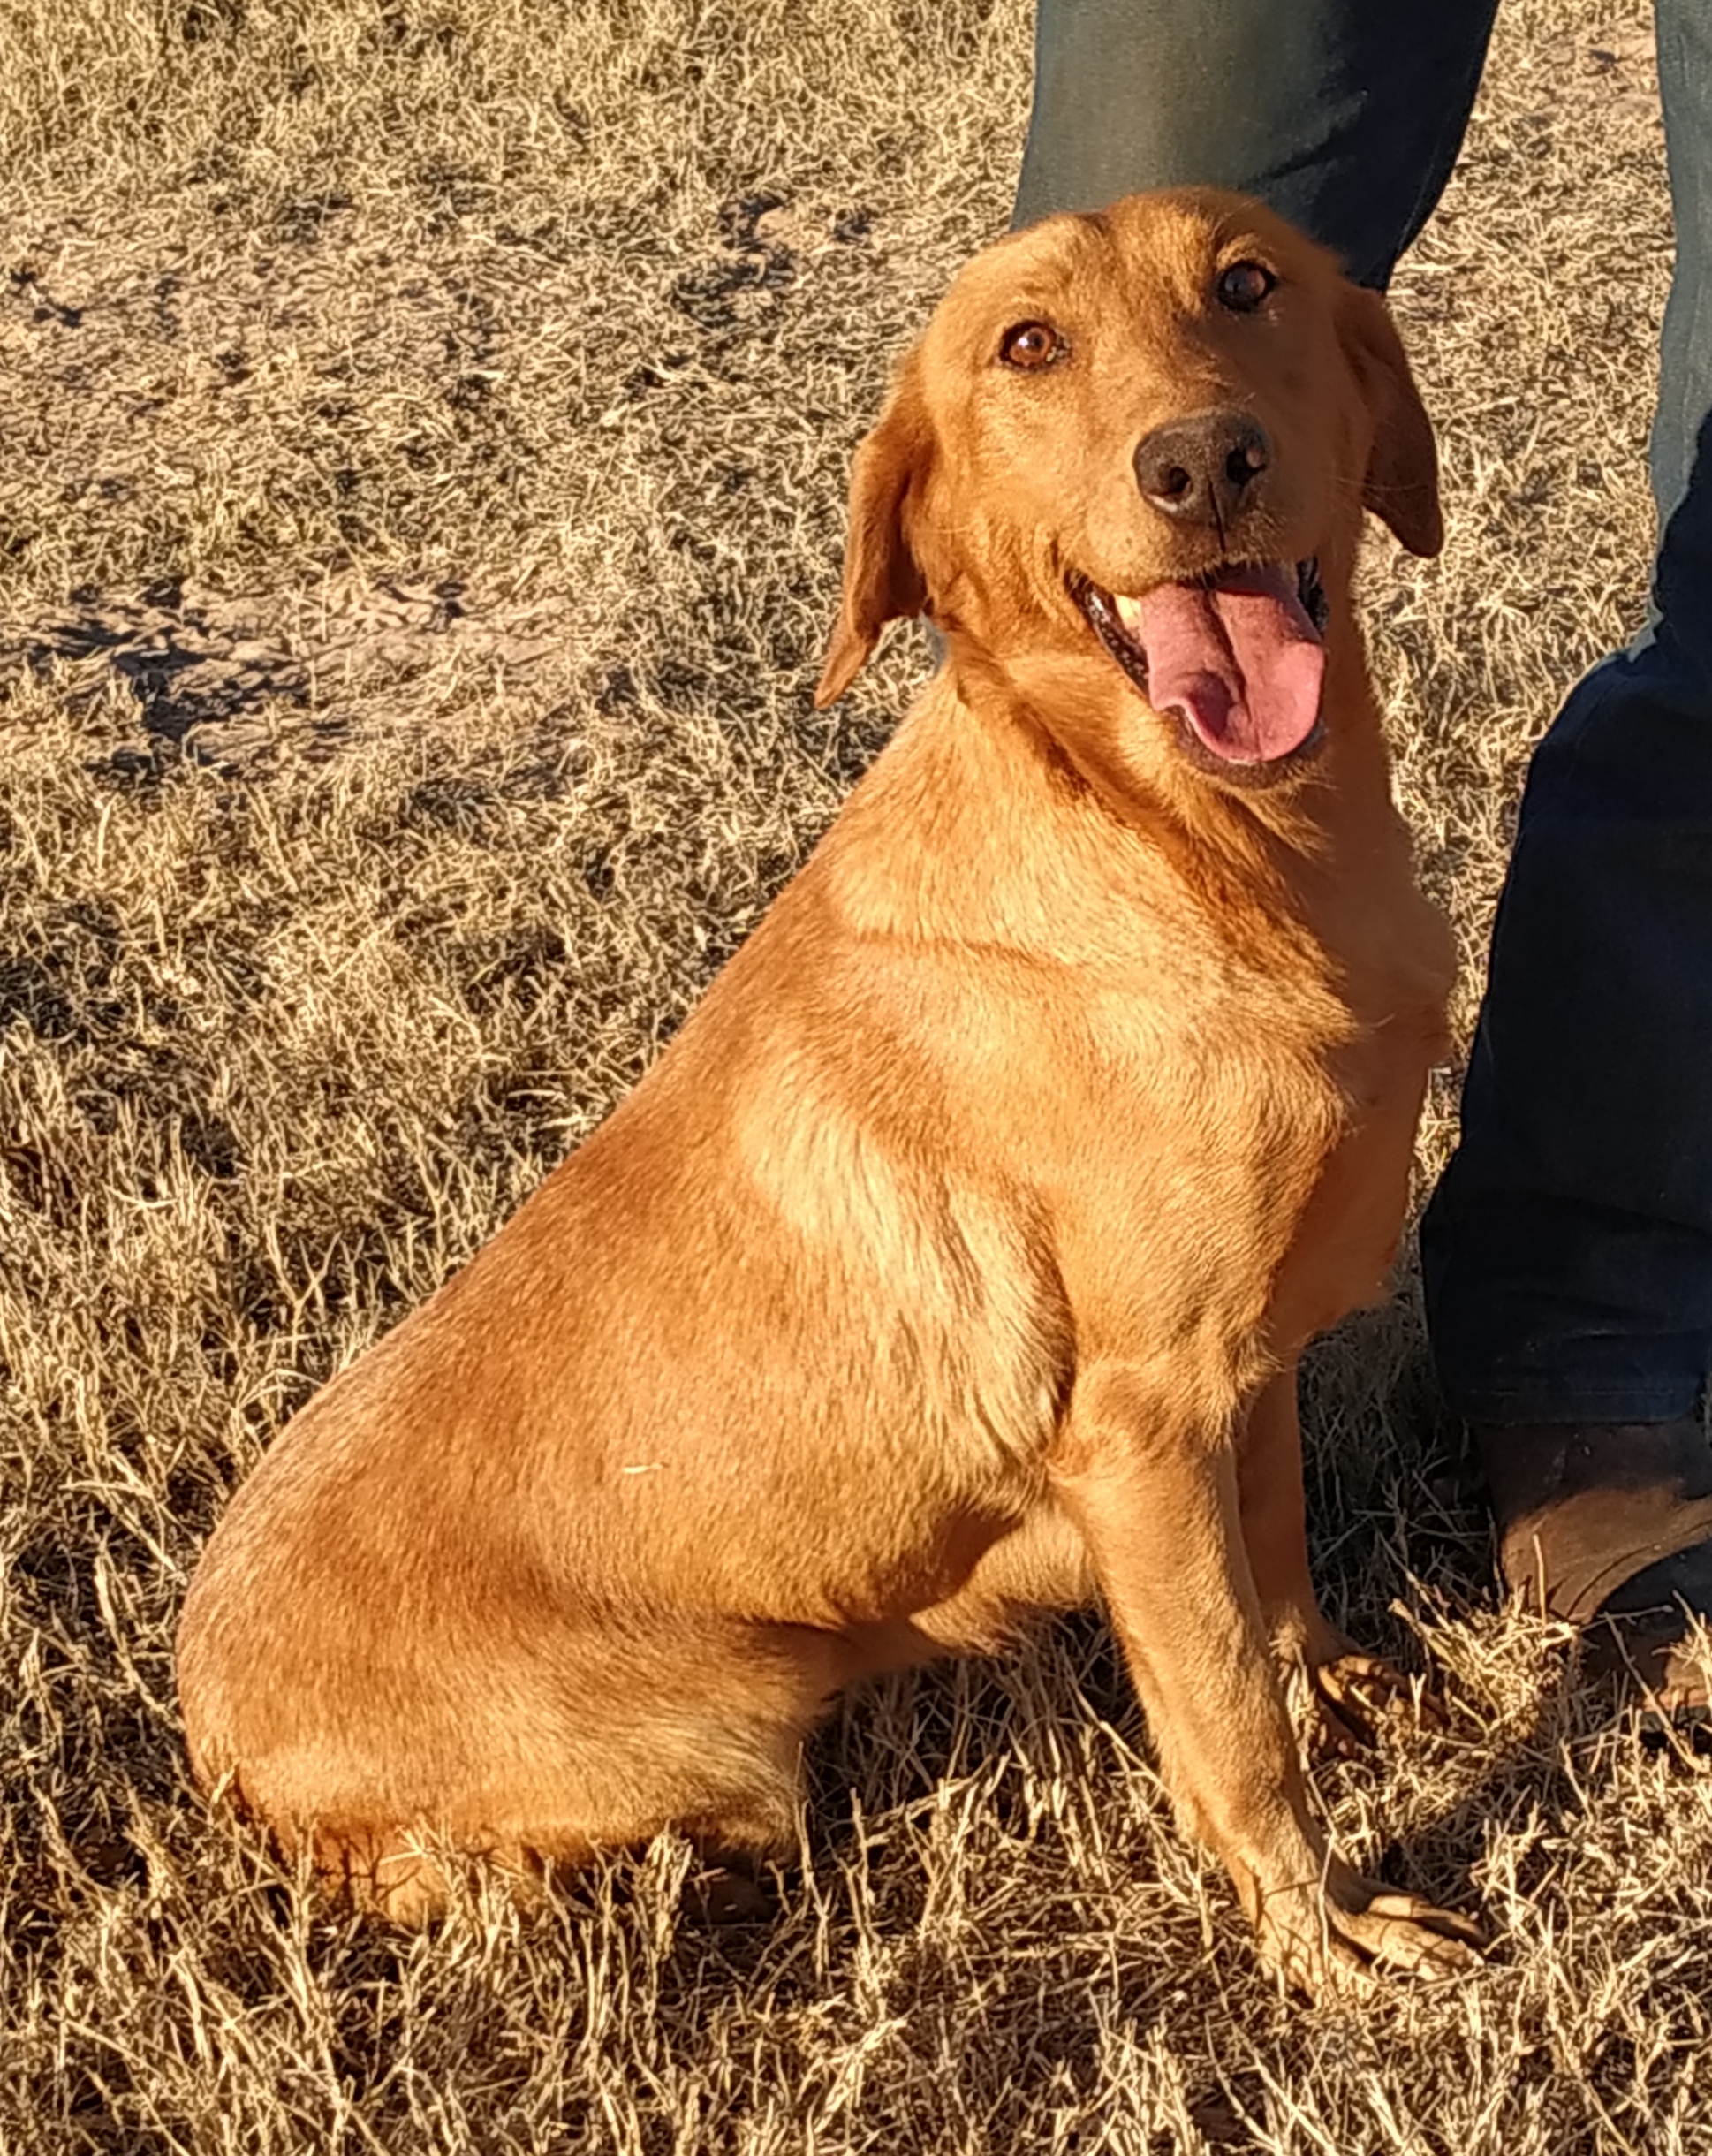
1030,344
1243,285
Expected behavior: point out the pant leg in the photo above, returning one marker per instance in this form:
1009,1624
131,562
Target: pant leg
1568,1250
1346,115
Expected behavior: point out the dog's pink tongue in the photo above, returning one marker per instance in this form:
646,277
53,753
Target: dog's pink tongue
1239,659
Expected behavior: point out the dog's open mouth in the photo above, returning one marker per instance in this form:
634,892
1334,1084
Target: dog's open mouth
1236,656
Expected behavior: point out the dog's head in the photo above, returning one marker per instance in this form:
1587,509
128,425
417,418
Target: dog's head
1140,442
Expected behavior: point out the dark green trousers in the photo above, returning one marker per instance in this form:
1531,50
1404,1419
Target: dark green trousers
1345,114
1568,1252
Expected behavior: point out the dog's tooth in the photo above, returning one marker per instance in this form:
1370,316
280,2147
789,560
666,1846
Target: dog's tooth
1129,613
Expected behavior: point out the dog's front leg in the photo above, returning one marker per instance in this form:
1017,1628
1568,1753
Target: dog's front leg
1274,1507
1155,1492
1349,1688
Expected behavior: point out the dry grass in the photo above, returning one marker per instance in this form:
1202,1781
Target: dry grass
425,427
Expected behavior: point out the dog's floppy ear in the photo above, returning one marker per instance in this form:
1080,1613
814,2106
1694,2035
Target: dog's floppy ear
882,581
1401,482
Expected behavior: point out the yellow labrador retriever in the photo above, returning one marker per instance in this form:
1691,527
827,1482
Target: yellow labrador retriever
954,1261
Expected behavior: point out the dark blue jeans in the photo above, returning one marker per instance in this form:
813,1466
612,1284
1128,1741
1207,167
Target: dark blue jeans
1568,1250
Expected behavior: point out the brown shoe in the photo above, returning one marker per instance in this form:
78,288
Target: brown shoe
1610,1525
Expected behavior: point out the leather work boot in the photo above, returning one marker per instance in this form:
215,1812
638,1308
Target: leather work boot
1608,1525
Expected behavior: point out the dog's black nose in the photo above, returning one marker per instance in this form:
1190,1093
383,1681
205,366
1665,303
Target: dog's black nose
1198,470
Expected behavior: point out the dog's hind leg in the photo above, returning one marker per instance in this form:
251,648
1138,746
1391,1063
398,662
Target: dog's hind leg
561,1752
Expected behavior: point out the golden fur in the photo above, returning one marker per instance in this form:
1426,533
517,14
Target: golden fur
954,1261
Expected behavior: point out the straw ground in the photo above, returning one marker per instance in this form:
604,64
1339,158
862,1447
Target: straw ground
425,428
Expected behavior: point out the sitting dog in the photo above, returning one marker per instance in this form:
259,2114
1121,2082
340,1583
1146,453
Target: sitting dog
953,1264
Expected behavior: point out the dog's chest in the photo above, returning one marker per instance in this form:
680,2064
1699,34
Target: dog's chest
1246,1140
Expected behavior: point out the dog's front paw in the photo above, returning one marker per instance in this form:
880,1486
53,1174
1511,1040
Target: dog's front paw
1342,1935
1350,1695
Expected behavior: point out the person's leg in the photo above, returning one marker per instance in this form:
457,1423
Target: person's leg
1346,115
1568,1250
